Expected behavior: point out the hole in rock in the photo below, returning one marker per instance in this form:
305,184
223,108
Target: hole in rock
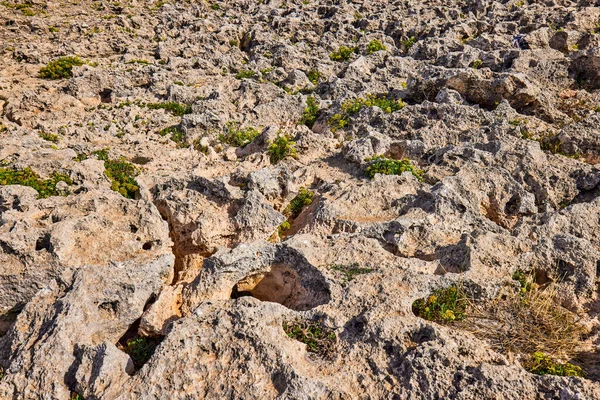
285,286
105,96
43,243
8,318
139,348
147,246
108,309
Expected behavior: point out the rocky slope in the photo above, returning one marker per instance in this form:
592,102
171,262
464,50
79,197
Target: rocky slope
172,253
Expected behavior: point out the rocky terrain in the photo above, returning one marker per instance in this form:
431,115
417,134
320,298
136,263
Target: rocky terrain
250,199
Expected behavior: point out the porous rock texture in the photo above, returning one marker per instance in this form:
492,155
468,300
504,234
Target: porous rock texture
502,113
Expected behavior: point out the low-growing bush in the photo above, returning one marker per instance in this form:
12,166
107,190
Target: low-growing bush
318,339
374,46
60,68
121,173
311,112
541,364
387,166
343,53
27,177
314,75
177,109
245,74
302,199
237,136
50,137
280,148
351,107
175,134
443,305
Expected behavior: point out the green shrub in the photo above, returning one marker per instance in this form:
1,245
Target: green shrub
343,53
280,148
245,74
176,135
50,137
140,349
350,271
542,364
318,339
374,46
177,109
351,107
387,166
120,172
408,43
314,76
302,199
311,112
27,177
238,137
60,68
443,305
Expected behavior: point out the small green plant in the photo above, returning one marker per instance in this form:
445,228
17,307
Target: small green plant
138,61
387,166
351,107
542,364
314,75
443,305
374,46
53,29
140,349
177,109
245,74
476,64
343,53
280,148
311,112
76,396
50,137
215,6
525,280
318,339
596,29
60,68
350,271
176,134
408,43
302,199
285,226
27,177
121,174
238,137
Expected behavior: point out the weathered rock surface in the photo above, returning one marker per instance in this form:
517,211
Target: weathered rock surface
209,258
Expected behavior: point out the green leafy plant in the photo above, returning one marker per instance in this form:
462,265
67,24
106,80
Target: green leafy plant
177,109
408,43
140,349
318,339
50,137
237,136
176,135
443,305
351,107
541,364
121,174
311,112
280,148
27,177
374,46
245,74
350,271
476,64
343,53
387,166
525,279
302,199
314,75
60,68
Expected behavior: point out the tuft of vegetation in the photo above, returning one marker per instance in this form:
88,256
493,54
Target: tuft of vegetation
408,43
176,135
280,148
177,109
443,305
343,53
525,280
351,107
319,340
476,64
27,177
388,166
238,137
541,364
350,271
121,174
50,137
374,46
140,349
314,75
311,112
245,74
61,68
302,199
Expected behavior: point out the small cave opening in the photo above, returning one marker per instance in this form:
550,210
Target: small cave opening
285,286
139,347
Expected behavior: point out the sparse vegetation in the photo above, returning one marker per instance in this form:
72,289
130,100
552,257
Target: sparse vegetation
343,53
121,174
50,137
177,109
280,148
302,199
350,271
351,107
314,75
318,339
61,68
374,46
245,74
476,64
311,112
408,43
27,177
237,136
175,134
541,364
387,166
443,305
140,349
